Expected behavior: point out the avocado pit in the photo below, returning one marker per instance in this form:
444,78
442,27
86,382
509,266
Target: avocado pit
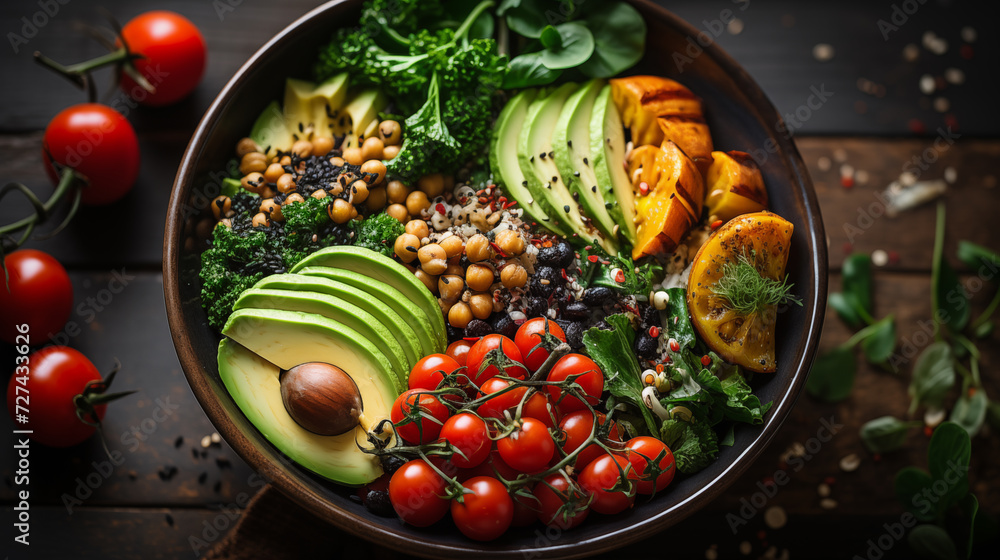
322,398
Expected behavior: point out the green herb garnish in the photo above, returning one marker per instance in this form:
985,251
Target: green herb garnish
747,291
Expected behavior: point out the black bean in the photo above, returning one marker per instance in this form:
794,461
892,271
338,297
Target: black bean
541,288
645,346
598,296
559,255
477,328
574,334
455,333
503,324
391,463
553,275
603,325
576,310
377,502
536,307
650,317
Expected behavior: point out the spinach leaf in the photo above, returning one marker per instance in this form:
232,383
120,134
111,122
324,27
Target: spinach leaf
857,281
931,542
619,37
527,70
694,444
948,456
910,485
847,309
977,257
524,18
970,411
878,345
885,434
741,404
832,375
566,46
677,322
933,376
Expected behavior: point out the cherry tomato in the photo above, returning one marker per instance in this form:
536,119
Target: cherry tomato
561,502
528,337
173,60
468,433
529,448
590,379
428,373
459,351
540,408
52,377
494,407
577,426
498,348
416,493
99,144
643,450
38,294
525,510
486,513
600,479
418,404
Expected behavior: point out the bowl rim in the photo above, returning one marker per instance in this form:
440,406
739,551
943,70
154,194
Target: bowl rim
317,505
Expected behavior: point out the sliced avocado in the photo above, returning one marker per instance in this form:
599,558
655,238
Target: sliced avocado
505,165
334,308
376,266
355,117
571,143
269,130
272,340
230,186
607,148
327,98
298,107
404,333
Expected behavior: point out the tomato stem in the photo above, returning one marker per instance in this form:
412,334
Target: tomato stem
69,181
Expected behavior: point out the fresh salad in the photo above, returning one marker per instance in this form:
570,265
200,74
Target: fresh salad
473,265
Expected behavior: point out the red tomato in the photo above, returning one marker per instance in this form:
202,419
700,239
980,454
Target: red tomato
459,351
468,433
577,426
643,451
486,513
428,373
601,476
561,502
38,294
525,510
494,407
51,378
174,57
98,143
411,425
499,349
540,408
529,448
528,337
590,379
416,493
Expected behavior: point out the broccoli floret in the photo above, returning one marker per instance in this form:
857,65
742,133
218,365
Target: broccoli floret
378,233
222,276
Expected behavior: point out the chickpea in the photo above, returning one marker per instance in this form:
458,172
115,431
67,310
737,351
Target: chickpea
510,242
286,183
406,247
272,209
429,280
268,192
432,258
390,132
318,194
479,277
376,198
254,162
337,161
373,170
293,198
450,287
246,146
418,228
417,202
285,160
358,191
354,212
260,220
340,211
452,245
478,248
459,315
390,152
445,305
322,146
455,269
397,192
513,276
222,207
481,306
432,184
399,212
372,149
273,172
302,148
253,182
336,189
353,156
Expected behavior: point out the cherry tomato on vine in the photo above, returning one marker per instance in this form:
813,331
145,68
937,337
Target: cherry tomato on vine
494,466
57,375
98,143
529,448
416,493
486,513
561,503
577,426
469,434
173,60
38,294
611,481
590,379
499,348
644,450
459,351
539,407
418,416
530,334
494,407
428,373
525,510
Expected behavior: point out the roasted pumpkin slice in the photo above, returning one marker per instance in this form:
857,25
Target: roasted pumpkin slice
668,200
737,282
735,186
691,135
642,99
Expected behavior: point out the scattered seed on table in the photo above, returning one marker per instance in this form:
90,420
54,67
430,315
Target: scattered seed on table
775,517
968,34
954,76
179,441
746,548
823,490
170,520
194,452
950,175
846,170
167,472
933,417
861,176
218,487
880,257
823,52
828,503
850,463
735,26
132,475
206,441
222,463
840,155
941,104
927,84
216,438
907,178
823,163
911,52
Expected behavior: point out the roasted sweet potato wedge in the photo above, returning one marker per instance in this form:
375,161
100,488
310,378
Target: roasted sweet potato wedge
691,134
642,99
735,186
671,202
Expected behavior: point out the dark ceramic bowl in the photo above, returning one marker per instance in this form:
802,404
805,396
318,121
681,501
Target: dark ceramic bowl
740,116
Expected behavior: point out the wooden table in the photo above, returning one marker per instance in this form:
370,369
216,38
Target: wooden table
169,487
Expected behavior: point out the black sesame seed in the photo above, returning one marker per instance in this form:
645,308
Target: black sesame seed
576,173
594,188
585,162
566,208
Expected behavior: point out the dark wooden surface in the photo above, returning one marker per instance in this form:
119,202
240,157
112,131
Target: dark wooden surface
135,512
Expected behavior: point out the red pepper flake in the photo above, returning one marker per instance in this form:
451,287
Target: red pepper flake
480,192
876,457
966,51
847,181
847,247
716,224
547,244
564,275
471,338
509,204
706,361
440,208
498,250
830,481
654,331
917,126
643,188
605,263
483,200
588,247
592,258
928,431
502,199
620,277
669,360
674,346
